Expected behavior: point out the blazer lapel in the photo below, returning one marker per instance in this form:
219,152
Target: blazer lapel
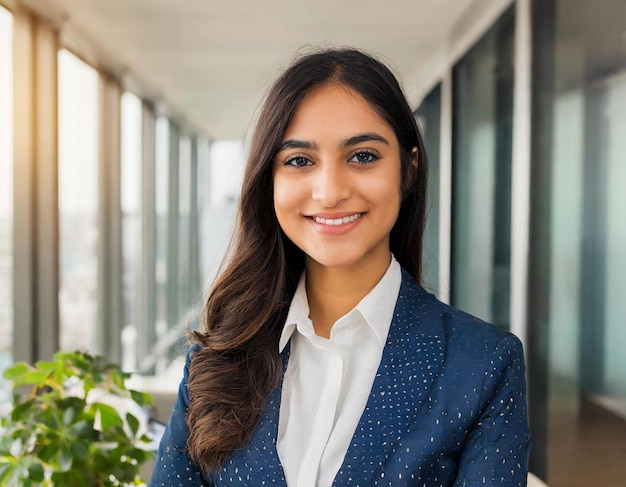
411,359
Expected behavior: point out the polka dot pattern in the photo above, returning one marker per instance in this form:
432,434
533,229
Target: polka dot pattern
447,409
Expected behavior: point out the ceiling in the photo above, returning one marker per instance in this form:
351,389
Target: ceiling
211,61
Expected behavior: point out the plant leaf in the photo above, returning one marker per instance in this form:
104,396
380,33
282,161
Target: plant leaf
79,452
133,422
35,377
13,472
22,412
17,370
109,417
65,459
45,366
47,452
68,416
84,430
35,472
141,398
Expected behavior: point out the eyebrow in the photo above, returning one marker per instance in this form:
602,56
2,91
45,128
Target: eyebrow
350,141
297,144
357,139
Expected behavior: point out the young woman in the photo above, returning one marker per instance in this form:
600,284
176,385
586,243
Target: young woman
322,361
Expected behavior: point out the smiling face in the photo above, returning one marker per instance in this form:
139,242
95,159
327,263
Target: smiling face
337,180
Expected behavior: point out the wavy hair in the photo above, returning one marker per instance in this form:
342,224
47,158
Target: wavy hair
238,363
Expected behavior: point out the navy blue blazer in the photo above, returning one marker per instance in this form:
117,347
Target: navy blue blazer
447,408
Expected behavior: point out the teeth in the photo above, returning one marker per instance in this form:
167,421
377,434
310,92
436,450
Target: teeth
337,221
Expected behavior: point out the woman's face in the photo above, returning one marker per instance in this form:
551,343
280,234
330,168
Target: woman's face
337,179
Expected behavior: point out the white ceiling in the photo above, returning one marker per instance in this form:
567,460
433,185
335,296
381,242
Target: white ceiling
210,61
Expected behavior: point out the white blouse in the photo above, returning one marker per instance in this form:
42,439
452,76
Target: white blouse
328,381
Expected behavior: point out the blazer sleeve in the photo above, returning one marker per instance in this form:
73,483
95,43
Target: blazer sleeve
173,467
497,447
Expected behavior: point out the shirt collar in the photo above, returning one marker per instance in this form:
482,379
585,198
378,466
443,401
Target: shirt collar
376,307
298,313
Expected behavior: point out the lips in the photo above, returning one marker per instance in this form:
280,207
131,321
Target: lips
337,221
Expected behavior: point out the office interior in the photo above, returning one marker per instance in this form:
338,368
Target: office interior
123,129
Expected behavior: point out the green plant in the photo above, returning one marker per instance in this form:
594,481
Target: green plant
74,427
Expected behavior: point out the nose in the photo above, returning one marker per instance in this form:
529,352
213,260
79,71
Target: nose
331,184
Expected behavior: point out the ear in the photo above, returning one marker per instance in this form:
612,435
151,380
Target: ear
411,171
414,158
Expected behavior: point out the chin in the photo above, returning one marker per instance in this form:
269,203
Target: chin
335,263
336,260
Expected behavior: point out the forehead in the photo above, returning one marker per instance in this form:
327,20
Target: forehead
335,110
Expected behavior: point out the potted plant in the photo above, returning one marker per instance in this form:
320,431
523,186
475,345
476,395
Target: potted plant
74,424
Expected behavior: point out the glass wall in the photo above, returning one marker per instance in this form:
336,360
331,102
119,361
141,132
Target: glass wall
219,186
429,119
131,196
163,178
603,259
78,201
204,211
184,225
578,258
162,208
481,175
6,193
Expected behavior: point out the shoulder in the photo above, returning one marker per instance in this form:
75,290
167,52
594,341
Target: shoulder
465,335
192,350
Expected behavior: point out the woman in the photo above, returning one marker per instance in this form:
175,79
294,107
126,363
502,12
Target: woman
322,361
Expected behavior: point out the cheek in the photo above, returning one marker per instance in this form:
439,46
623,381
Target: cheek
385,190
389,196
286,198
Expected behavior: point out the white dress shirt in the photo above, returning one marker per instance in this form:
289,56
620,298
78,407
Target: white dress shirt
328,381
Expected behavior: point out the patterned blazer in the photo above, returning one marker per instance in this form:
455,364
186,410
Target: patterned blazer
447,408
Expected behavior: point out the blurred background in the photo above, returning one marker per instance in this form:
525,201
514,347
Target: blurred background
123,128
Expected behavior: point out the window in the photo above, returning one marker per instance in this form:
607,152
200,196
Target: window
184,226
220,176
429,119
204,211
481,175
78,202
6,193
162,209
578,231
131,197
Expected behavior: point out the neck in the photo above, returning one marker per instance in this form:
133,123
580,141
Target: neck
334,291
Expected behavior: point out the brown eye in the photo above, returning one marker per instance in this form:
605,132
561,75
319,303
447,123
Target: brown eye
364,157
298,161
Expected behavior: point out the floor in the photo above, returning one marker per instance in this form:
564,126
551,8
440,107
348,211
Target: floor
534,481
590,454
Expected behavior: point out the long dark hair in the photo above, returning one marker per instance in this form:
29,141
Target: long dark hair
238,364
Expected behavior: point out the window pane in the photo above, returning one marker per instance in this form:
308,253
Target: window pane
603,263
78,201
220,175
614,106
429,118
184,225
162,178
131,194
204,207
578,272
6,195
481,175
